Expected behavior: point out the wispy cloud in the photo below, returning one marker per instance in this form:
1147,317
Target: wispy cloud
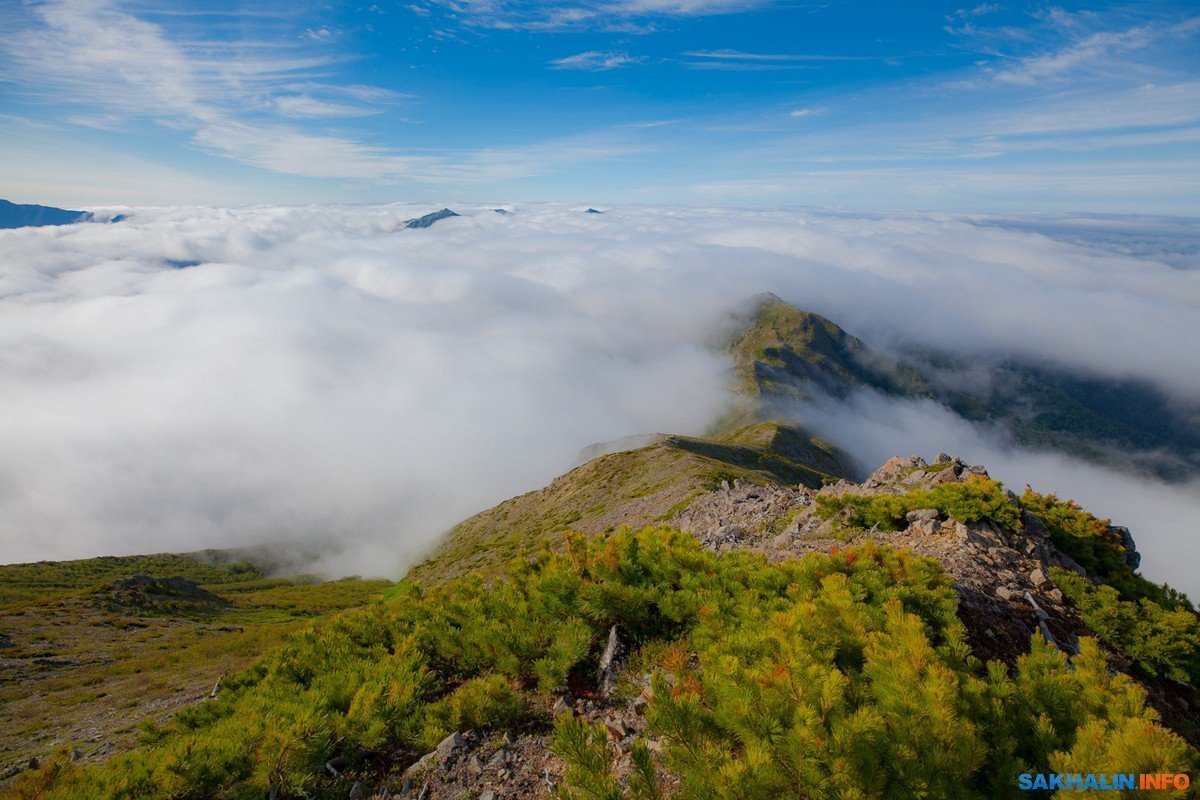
737,55
977,11
1093,53
1066,46
633,16
302,106
595,61
739,61
100,56
120,67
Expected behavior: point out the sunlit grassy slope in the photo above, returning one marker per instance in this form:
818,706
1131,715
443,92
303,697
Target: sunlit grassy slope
636,487
76,671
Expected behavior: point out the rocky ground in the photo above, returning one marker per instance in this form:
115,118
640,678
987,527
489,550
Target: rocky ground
515,764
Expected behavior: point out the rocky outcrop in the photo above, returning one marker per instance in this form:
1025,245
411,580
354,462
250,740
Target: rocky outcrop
1001,575
143,593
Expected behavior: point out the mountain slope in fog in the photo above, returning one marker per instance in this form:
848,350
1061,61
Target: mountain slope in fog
784,356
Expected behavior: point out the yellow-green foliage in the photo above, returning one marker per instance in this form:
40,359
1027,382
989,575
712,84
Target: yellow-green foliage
1092,544
853,680
588,757
842,675
1163,642
978,499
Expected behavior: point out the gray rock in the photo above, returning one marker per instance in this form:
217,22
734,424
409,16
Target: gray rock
447,747
978,536
923,515
1131,555
356,792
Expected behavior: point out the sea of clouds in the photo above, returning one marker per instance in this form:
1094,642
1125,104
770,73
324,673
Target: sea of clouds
324,379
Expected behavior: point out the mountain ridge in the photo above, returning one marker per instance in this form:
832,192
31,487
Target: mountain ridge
784,356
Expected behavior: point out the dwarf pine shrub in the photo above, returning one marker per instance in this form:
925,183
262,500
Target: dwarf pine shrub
843,675
978,499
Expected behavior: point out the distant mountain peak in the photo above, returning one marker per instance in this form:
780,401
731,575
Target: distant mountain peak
429,219
20,215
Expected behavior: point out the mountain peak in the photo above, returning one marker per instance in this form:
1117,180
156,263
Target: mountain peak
20,215
784,354
429,219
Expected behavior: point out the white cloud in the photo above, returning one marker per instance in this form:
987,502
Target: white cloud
100,57
325,377
1079,48
302,106
594,61
738,55
1097,51
96,55
631,16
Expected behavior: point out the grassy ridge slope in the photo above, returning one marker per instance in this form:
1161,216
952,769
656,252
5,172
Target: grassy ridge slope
635,487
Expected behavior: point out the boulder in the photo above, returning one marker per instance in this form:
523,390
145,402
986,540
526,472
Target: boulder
923,515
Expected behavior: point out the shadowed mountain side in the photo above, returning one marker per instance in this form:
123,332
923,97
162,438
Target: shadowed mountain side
19,215
634,487
783,356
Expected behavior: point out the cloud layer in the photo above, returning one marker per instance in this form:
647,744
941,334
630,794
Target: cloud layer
320,375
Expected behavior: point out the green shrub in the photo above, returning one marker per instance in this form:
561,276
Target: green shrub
1162,642
838,675
979,499
480,703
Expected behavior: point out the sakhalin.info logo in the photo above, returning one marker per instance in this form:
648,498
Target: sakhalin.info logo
1116,781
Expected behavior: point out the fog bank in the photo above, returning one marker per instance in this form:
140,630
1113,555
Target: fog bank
197,377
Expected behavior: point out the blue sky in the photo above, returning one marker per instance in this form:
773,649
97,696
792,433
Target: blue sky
1005,106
